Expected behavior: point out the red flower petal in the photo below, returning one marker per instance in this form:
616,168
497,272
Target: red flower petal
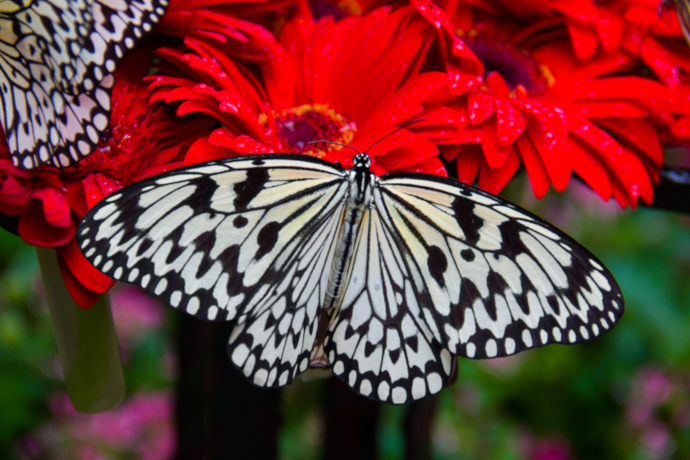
85,273
494,179
449,152
432,166
621,194
466,60
202,150
406,102
479,107
34,229
55,206
535,168
609,27
467,162
681,128
550,149
639,13
82,296
497,85
413,150
97,187
618,88
589,168
602,109
639,134
642,184
584,39
74,192
660,61
242,144
13,197
464,82
509,120
495,152
627,169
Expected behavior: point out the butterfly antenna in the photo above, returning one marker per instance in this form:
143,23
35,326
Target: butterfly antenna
390,134
334,143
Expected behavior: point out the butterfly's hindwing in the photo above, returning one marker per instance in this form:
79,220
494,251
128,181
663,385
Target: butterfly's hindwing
378,342
271,344
500,279
56,64
212,240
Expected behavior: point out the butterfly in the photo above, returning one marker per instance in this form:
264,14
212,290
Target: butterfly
56,64
382,279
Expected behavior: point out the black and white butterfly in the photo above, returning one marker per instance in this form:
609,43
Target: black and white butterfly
384,279
56,64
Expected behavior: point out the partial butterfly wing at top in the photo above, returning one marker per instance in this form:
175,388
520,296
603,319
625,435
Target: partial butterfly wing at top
57,59
383,279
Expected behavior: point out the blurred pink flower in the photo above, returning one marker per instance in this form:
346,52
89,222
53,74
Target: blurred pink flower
654,386
549,448
141,428
135,312
657,440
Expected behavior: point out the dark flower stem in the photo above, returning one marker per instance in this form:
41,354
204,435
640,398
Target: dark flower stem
673,191
87,344
220,415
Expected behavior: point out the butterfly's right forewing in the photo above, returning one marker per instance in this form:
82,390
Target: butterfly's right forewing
219,240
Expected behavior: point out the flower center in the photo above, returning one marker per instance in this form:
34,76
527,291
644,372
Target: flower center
515,65
298,126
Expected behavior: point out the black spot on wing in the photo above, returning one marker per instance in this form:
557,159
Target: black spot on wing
267,238
230,258
490,306
437,263
413,343
496,283
249,188
176,249
553,303
144,246
205,243
467,254
240,222
469,222
510,235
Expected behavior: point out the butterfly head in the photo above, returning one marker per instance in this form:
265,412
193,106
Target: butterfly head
361,161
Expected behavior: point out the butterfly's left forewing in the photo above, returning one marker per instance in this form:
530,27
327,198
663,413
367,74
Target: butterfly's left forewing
249,238
214,239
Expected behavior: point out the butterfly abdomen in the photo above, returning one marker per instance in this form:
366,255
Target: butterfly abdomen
356,204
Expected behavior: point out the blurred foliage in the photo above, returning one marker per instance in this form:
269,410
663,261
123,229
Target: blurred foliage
624,396
30,374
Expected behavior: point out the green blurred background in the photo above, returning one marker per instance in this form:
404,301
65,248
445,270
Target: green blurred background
623,396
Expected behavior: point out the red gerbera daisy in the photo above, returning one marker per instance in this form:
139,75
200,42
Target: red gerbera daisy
352,81
543,108
49,202
224,24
